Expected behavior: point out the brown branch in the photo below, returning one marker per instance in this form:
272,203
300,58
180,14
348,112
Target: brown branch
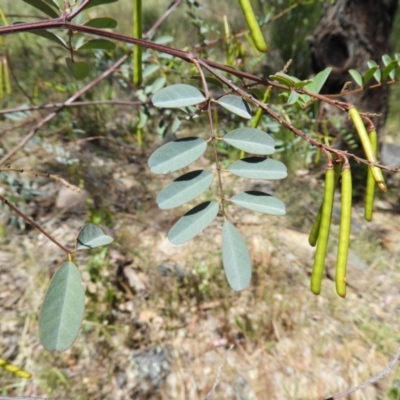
61,23
45,120
33,223
74,104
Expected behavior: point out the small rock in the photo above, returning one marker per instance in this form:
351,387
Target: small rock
151,365
68,198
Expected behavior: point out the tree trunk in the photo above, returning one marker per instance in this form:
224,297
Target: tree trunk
352,32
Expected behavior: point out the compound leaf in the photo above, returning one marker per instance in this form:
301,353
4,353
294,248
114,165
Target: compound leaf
236,105
177,96
42,6
102,23
235,257
62,311
78,69
251,140
98,44
193,222
183,189
92,236
50,36
260,202
176,154
258,168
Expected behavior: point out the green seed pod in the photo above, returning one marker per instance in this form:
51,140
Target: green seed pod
253,26
137,50
322,243
313,236
369,153
344,233
14,369
370,189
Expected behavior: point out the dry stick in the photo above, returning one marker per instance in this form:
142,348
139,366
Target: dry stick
33,223
74,104
44,174
55,113
218,377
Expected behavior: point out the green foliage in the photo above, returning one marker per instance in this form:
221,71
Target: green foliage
103,23
236,258
42,6
62,309
236,105
184,189
176,155
251,140
389,69
181,153
92,236
178,96
193,222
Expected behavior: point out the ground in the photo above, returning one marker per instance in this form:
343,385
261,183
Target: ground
161,321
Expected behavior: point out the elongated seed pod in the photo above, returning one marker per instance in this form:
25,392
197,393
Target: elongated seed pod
322,243
370,189
137,50
7,81
18,371
313,236
1,80
257,118
254,28
369,153
344,233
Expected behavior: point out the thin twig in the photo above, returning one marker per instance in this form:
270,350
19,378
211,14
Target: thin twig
370,381
45,120
33,223
44,174
218,377
74,104
158,23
